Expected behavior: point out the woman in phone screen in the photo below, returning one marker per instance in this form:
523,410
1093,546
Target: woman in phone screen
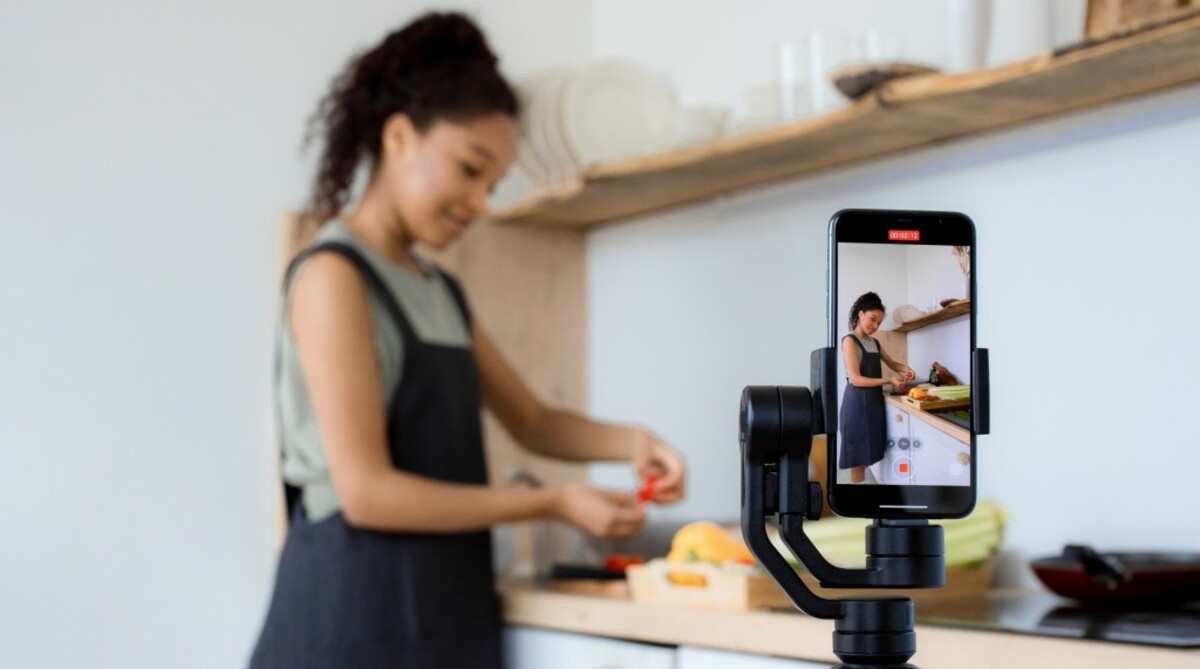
863,435
382,370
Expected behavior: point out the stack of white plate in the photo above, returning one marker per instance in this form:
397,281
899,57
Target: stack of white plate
574,118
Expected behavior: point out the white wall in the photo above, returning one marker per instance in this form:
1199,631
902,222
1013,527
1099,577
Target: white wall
720,52
146,150
877,268
933,275
947,343
713,56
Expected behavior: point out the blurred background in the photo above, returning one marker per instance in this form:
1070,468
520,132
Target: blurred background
148,150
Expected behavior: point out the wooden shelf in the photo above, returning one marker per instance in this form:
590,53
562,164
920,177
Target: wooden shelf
954,310
900,116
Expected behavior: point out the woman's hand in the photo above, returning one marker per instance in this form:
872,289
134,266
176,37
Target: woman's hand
895,380
909,374
600,513
653,458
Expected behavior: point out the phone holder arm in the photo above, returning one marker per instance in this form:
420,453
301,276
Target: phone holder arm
762,494
981,392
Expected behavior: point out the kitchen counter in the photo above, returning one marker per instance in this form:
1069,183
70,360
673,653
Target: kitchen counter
930,419
946,637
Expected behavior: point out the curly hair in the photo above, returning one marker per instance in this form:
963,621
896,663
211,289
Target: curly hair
439,67
865,302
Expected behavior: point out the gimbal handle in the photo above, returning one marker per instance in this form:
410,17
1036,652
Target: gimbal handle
776,428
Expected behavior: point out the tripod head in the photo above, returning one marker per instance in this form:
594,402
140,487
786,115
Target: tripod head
776,427
775,431
776,437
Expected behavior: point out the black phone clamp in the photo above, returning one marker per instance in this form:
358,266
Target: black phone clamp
777,424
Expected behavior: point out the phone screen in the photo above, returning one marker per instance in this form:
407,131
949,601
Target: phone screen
902,329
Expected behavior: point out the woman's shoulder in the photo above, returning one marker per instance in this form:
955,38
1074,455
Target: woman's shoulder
332,279
327,276
312,262
332,233
856,340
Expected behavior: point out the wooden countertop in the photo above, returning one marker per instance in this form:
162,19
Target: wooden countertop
795,635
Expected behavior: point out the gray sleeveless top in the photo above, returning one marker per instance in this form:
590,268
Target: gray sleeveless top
430,308
867,343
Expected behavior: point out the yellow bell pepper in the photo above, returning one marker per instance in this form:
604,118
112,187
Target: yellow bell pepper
687,578
707,542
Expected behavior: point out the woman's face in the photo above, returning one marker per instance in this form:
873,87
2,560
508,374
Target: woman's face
439,180
869,320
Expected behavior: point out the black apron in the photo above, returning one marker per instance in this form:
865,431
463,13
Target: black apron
864,420
346,597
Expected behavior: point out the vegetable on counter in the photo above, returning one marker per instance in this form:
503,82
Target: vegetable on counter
961,392
687,578
619,561
969,540
708,542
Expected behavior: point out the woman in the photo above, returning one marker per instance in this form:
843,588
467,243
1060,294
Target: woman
381,371
863,420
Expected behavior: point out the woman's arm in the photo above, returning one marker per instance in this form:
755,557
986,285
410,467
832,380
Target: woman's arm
900,368
331,322
566,435
853,372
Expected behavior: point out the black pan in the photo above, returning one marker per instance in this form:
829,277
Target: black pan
1121,579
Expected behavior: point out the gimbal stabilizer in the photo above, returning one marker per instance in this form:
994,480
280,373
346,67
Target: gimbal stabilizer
776,429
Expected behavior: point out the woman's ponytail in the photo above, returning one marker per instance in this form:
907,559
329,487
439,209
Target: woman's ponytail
439,67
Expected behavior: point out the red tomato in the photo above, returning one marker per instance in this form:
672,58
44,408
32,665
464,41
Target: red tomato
645,491
618,562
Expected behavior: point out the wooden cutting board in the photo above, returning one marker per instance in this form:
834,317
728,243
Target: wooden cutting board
936,405
720,588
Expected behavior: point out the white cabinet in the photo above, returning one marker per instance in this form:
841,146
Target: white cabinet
532,648
896,467
939,459
919,454
690,657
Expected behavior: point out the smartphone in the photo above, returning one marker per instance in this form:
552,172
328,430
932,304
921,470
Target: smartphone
901,309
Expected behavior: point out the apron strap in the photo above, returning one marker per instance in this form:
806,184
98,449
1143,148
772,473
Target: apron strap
862,349
863,352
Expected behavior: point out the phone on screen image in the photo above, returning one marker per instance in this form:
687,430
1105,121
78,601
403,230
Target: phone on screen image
902,305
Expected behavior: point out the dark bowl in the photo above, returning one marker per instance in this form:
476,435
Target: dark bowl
1149,579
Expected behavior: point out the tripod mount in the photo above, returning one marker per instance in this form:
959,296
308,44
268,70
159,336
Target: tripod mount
777,424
